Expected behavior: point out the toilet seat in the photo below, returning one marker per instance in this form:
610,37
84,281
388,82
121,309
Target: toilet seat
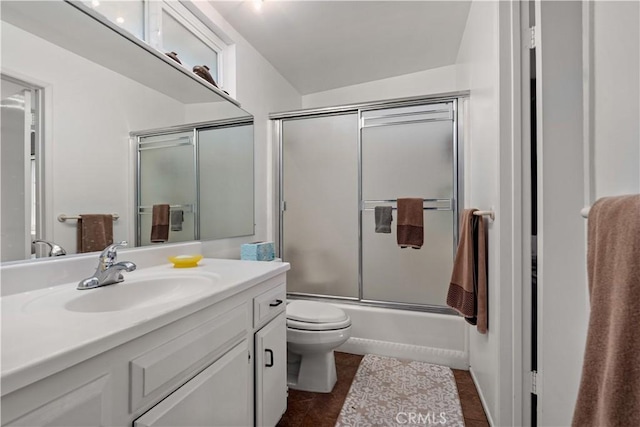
315,316
308,326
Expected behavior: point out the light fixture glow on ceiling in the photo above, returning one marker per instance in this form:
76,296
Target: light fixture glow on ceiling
257,5
95,3
120,20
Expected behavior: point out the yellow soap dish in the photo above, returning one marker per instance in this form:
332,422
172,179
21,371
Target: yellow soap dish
185,261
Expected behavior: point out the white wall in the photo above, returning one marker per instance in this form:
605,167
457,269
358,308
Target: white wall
478,70
91,111
436,80
616,98
261,90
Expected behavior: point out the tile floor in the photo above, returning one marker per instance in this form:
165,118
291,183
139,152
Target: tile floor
305,408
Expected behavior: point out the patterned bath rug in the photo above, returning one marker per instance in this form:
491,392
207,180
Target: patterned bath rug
391,392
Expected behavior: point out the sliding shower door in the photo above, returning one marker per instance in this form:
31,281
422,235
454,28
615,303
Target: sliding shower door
408,152
320,201
336,166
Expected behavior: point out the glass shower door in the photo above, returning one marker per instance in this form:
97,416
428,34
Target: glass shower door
408,152
320,193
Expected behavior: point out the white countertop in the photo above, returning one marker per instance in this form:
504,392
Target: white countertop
39,339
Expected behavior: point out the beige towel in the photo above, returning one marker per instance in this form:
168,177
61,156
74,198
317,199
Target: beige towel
160,223
410,223
468,288
609,393
95,232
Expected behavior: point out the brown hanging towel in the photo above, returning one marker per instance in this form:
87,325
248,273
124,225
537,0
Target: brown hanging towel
410,231
160,223
468,287
609,393
95,232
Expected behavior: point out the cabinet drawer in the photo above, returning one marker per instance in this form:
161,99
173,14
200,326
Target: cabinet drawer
163,368
268,304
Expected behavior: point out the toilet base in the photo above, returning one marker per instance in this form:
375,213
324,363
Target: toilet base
316,373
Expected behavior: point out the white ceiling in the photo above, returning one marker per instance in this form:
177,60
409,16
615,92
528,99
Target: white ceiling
322,45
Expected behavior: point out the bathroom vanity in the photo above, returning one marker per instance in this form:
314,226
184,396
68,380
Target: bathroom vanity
166,347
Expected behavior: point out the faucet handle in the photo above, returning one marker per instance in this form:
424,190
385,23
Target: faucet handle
109,254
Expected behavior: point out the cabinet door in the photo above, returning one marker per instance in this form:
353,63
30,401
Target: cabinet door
218,396
271,371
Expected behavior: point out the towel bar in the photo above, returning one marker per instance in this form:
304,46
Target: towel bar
585,212
490,214
63,217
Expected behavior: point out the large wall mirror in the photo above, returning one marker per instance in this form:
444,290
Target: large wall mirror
76,86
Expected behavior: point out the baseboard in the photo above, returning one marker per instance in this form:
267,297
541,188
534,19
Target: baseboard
451,358
482,399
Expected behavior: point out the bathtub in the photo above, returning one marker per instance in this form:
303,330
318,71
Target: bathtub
429,337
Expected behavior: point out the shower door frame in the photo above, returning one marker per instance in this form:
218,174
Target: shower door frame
458,100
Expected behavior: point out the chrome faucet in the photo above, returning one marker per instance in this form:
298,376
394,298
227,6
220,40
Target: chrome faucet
108,271
54,250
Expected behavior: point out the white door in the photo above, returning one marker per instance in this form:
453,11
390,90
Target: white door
271,371
218,396
561,278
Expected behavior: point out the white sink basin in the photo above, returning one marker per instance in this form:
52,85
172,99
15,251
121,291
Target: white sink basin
132,294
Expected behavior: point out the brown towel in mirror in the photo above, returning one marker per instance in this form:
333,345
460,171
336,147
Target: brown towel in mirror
410,223
160,223
95,232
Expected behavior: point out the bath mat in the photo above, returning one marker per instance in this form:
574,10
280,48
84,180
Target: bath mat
391,392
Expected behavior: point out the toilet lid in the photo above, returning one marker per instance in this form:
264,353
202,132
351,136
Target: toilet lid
314,312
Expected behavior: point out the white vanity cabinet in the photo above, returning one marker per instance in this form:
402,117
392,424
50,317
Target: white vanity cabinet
221,364
271,356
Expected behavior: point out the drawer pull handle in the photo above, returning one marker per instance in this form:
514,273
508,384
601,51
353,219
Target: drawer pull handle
275,304
270,364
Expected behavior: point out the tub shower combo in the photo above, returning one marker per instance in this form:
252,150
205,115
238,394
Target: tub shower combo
335,166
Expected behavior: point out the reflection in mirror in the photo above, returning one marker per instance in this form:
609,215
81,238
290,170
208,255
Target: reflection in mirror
128,14
20,154
167,175
195,182
226,181
98,85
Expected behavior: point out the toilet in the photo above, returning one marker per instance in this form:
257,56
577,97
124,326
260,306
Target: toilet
314,330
